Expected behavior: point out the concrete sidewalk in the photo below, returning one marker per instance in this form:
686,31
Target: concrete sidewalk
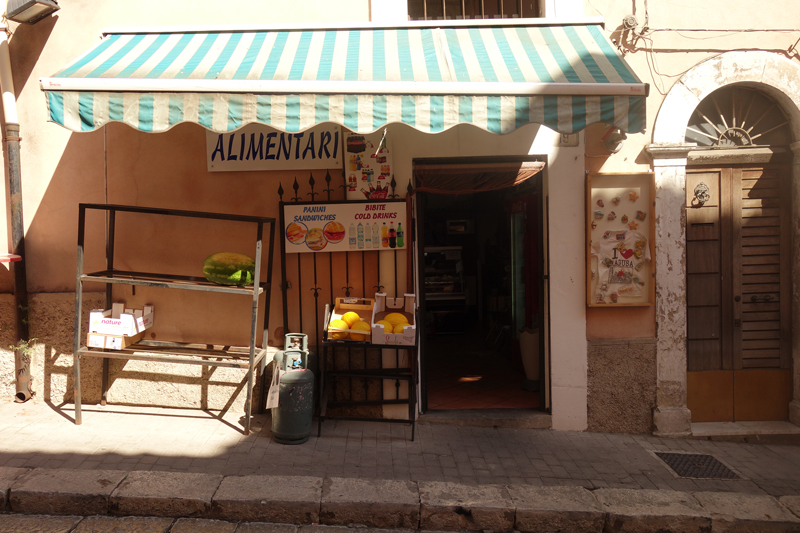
174,463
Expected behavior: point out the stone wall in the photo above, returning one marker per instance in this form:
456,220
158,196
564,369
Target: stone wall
622,385
147,383
7,338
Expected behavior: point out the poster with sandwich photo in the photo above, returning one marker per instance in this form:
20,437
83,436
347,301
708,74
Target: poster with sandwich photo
345,226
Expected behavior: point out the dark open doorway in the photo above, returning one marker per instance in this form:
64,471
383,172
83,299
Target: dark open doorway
482,319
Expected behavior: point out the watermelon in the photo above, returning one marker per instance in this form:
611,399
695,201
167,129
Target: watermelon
229,268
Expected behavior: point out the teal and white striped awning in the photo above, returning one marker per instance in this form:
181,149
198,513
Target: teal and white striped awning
431,76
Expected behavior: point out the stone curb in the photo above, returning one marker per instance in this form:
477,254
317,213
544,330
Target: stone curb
171,494
276,499
7,477
375,503
77,492
292,503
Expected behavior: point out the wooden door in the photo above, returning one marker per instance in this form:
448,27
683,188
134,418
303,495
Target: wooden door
738,285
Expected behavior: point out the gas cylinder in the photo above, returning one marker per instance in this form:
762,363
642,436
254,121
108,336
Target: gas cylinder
292,419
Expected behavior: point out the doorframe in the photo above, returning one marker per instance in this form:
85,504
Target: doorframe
418,207
767,159
774,75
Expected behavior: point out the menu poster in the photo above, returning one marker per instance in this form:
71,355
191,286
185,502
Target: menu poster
344,227
368,165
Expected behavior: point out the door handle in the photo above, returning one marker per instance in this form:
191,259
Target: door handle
763,298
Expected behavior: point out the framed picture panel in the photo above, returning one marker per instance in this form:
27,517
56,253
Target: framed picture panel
619,240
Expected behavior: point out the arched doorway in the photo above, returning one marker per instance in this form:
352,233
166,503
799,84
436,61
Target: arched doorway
774,76
738,259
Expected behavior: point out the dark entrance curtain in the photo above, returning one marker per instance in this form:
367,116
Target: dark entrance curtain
464,177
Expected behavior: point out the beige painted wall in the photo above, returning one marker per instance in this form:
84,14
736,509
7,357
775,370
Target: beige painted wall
660,61
61,169
675,52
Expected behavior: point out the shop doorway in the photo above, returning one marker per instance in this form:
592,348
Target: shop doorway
738,260
482,312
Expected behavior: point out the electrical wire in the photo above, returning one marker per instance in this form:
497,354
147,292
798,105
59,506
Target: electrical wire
724,30
593,7
645,35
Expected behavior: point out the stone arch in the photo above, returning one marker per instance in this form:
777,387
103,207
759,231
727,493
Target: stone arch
779,78
775,75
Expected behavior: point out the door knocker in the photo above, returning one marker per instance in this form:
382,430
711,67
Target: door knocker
701,194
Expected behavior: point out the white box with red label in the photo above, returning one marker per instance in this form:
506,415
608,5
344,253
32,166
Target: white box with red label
120,321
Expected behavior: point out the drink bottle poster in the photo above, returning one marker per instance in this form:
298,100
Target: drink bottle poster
345,226
368,165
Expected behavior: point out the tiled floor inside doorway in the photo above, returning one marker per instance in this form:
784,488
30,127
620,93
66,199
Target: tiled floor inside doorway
465,372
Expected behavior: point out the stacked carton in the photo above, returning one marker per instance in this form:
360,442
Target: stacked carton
118,327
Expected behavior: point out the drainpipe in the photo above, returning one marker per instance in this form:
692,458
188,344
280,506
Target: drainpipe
22,363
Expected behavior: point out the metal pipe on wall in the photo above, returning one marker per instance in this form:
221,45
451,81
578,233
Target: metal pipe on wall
22,363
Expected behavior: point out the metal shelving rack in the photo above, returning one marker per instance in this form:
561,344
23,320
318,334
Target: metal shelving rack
247,357
328,377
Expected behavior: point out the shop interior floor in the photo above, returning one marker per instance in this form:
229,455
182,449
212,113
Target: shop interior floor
464,373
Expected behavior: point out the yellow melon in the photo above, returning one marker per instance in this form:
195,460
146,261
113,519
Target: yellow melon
399,327
360,326
396,318
351,317
338,324
387,326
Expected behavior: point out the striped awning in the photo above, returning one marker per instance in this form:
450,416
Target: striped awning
497,76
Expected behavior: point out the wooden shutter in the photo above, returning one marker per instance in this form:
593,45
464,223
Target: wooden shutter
763,276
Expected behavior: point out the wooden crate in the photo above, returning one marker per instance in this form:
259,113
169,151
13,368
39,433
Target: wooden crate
362,306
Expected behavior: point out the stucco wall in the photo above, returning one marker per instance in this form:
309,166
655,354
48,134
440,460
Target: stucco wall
61,169
685,54
661,60
119,165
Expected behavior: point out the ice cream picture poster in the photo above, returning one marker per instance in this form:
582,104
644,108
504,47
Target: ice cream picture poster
345,226
368,165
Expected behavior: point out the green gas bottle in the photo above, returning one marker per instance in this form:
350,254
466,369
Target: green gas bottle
292,419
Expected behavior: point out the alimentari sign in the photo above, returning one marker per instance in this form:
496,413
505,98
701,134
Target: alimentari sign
257,147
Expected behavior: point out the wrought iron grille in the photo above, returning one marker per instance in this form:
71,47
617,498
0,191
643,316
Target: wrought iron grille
471,9
312,280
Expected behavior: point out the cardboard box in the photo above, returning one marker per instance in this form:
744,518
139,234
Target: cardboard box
362,306
384,306
111,342
120,321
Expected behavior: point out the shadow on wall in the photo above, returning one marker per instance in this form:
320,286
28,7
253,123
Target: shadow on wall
169,170
25,46
165,170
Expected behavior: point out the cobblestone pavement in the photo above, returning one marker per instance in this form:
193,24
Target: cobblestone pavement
185,440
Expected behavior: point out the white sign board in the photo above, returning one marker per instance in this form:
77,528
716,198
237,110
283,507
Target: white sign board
342,227
258,147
